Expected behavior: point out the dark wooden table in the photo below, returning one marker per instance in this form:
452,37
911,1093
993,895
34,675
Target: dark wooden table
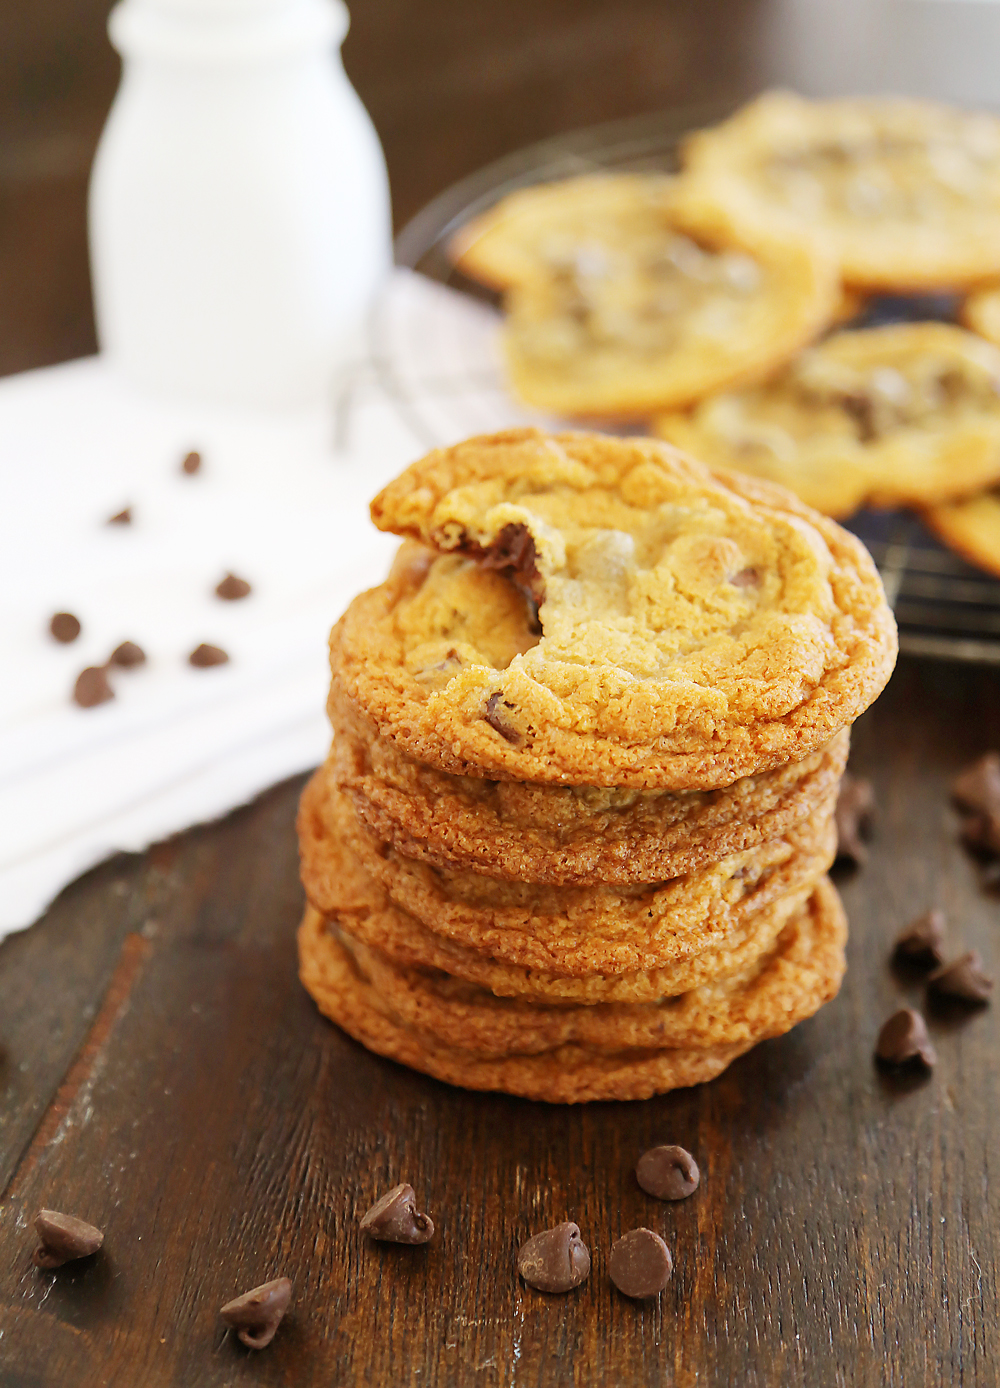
163,1074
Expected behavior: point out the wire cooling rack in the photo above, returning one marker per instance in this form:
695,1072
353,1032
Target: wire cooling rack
945,608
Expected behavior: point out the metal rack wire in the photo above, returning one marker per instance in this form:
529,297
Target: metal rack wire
945,608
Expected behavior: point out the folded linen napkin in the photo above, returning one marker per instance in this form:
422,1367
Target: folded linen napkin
280,501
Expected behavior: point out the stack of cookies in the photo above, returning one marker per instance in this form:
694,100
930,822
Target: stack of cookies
572,835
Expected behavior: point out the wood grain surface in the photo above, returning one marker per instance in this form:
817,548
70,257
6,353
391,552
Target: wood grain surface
222,1133
163,1075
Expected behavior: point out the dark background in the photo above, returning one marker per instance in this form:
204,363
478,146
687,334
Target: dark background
163,1074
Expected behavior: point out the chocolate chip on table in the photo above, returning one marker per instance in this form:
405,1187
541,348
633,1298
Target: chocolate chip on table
191,463
669,1173
64,1238
495,706
976,789
92,687
204,656
123,517
256,1315
232,588
128,655
903,1040
981,833
395,1218
964,978
922,941
976,792
556,1260
65,627
854,812
640,1264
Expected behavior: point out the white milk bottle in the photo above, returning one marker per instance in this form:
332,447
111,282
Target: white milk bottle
239,205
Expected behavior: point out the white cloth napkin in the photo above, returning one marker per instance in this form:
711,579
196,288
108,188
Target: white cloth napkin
279,501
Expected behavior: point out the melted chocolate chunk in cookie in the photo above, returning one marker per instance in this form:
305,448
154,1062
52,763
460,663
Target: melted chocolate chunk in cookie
495,716
512,553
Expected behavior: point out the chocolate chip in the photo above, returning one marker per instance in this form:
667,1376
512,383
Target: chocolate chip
64,1239
512,553
640,1264
964,978
92,687
121,517
65,627
861,409
495,706
922,941
981,833
128,655
556,1260
669,1173
232,588
977,787
854,812
904,1039
204,656
256,1315
191,463
746,578
396,1219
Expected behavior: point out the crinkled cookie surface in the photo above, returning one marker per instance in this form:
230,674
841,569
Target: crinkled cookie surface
606,611
905,415
904,194
611,311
